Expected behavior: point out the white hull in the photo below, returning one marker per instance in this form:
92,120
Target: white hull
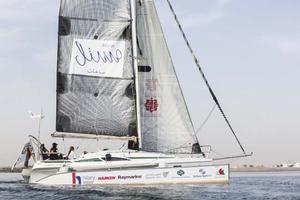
139,168
201,174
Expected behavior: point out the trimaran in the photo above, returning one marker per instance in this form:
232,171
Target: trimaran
115,79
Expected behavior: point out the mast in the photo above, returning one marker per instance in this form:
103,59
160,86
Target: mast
136,72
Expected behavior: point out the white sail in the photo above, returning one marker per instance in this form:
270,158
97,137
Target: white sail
166,124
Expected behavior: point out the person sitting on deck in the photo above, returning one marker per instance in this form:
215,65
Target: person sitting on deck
54,155
44,152
83,153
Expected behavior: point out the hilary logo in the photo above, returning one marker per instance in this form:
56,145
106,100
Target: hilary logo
151,105
76,179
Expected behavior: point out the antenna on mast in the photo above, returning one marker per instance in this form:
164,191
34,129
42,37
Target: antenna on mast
39,117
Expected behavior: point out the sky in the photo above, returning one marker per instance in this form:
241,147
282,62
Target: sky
249,51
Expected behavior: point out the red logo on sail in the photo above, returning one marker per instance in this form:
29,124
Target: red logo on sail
151,105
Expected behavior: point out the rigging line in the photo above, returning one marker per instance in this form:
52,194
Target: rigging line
224,157
203,75
234,157
218,154
206,119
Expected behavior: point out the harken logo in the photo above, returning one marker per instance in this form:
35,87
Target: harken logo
151,105
180,172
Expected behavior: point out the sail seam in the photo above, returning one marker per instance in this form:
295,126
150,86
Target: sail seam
102,77
99,20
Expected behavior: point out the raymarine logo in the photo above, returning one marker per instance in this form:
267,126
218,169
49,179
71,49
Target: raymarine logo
129,177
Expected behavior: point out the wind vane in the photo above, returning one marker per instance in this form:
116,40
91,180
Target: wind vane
39,116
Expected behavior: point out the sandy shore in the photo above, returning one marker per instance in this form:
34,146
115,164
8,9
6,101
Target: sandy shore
8,169
265,169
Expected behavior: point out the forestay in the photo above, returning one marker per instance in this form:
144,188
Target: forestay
95,92
165,121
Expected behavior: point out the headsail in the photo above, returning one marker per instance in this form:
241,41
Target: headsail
95,86
165,121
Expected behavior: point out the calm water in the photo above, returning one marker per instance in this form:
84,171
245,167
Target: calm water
242,186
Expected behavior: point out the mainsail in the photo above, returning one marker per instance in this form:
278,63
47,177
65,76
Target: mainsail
165,121
95,76
95,86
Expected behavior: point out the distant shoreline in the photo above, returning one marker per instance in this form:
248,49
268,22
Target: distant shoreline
239,169
265,169
8,170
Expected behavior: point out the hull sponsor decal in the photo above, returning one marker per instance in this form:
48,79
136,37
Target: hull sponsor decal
221,172
75,179
106,178
180,172
129,177
165,174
